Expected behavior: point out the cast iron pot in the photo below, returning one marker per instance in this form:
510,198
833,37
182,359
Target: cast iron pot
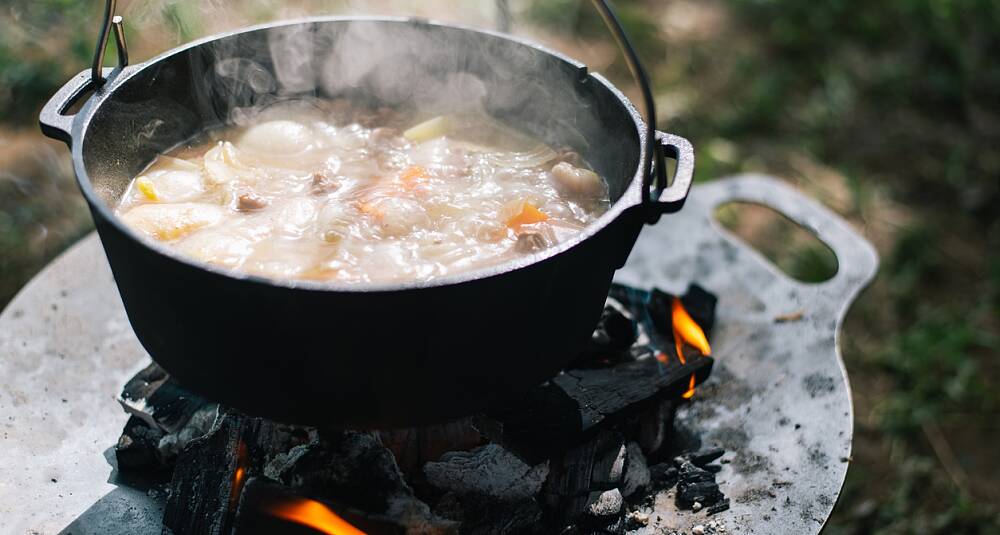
377,355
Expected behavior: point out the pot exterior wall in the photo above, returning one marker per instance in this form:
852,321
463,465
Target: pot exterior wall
364,359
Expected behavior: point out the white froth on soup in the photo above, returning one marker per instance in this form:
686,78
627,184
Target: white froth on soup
329,192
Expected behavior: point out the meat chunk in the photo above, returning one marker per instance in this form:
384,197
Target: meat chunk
577,180
569,156
323,183
249,202
530,242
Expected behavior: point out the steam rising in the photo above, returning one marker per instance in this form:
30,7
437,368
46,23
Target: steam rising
420,68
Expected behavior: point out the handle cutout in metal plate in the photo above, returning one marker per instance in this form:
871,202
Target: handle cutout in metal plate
794,250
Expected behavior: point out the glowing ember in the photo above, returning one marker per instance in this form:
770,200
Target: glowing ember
240,475
315,515
687,331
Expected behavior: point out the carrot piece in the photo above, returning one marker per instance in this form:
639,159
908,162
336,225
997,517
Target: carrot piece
368,208
412,177
527,216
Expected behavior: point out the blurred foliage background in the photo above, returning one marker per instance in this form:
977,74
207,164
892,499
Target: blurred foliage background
888,112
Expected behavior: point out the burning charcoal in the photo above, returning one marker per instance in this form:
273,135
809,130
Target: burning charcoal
574,405
586,481
159,400
490,517
705,456
604,505
136,448
640,352
704,493
266,507
696,485
637,475
449,506
660,312
615,333
723,505
171,444
609,466
206,482
405,447
489,471
654,426
664,475
700,304
356,470
689,473
573,473
268,440
415,446
284,462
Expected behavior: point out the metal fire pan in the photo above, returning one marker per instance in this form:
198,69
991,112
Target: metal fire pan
778,399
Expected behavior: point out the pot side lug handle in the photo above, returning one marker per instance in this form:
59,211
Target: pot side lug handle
669,198
53,119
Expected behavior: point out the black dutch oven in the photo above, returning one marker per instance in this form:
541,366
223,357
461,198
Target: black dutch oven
377,355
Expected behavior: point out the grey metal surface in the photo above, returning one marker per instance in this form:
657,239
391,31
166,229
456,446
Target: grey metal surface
778,398
66,349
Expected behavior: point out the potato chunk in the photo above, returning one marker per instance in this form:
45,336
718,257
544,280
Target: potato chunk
167,222
278,137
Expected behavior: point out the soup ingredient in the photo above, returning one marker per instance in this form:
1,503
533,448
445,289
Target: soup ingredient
529,215
427,130
577,180
314,191
530,242
147,188
172,221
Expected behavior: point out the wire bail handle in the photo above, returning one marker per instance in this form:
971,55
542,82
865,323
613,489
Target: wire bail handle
653,147
111,22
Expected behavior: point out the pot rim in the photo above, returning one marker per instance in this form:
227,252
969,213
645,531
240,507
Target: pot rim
631,197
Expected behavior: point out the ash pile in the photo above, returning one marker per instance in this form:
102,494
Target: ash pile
584,453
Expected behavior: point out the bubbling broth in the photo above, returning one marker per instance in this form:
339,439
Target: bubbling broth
329,191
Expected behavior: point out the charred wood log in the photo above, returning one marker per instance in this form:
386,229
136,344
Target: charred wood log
158,400
588,485
205,487
573,406
137,446
614,335
413,447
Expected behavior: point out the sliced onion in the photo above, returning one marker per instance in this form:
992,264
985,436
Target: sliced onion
535,157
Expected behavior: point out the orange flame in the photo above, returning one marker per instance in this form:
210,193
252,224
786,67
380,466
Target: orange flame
315,515
687,331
